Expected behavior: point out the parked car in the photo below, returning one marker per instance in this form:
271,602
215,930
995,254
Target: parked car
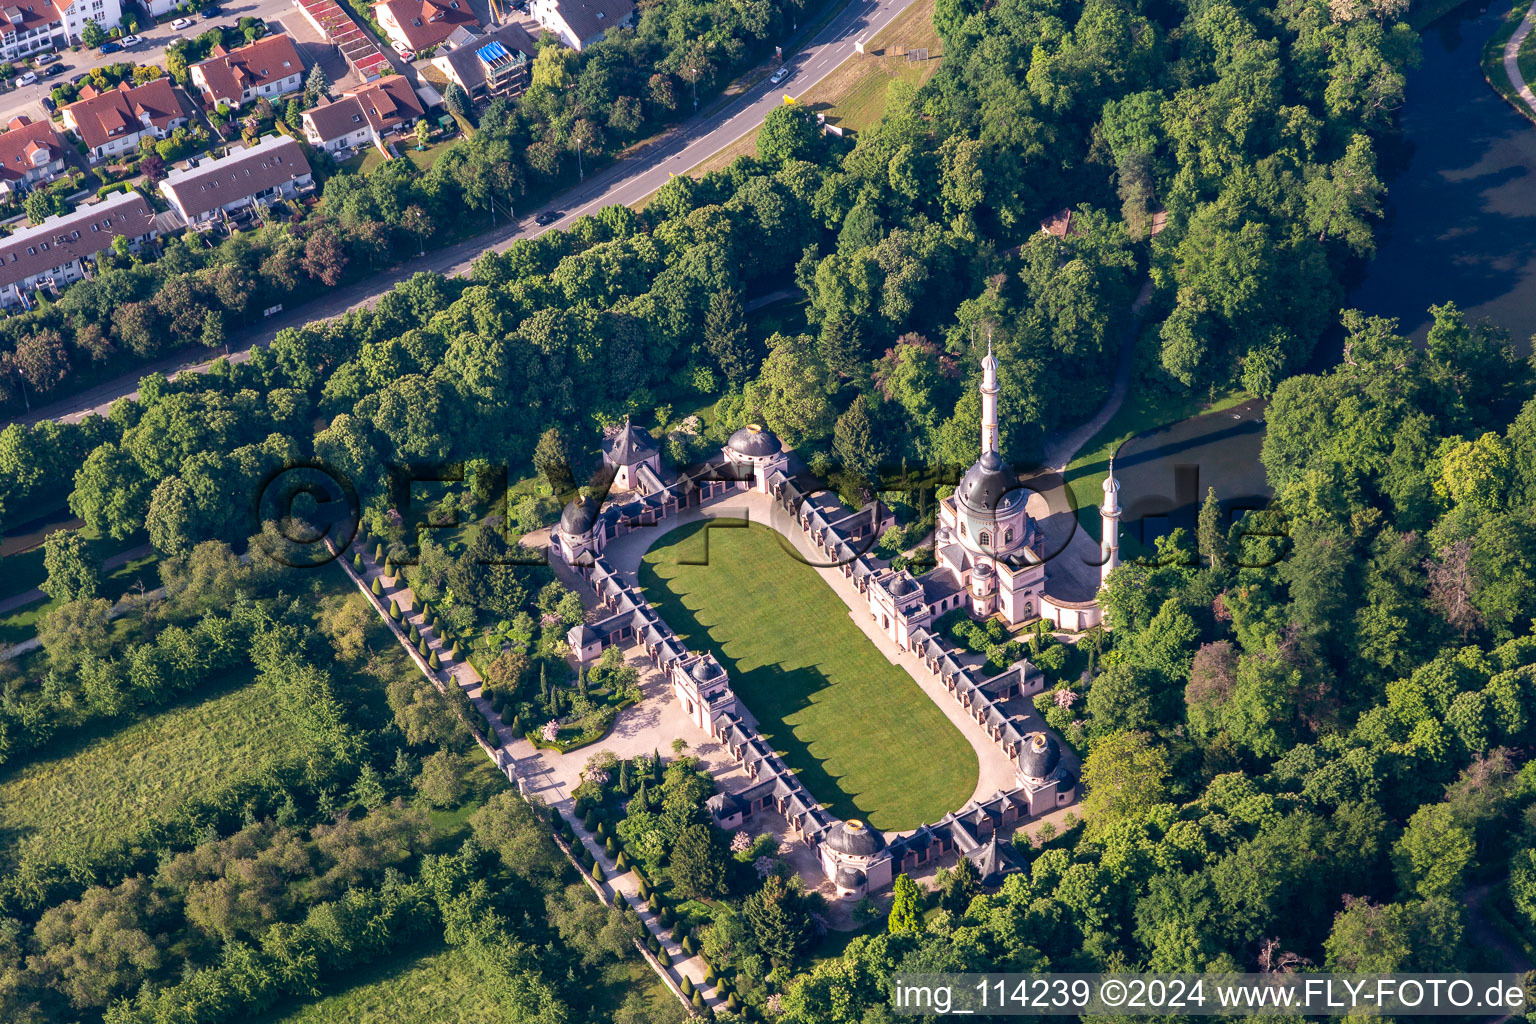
45,58
181,24
131,40
404,51
779,76
111,46
49,105
30,78
211,11
547,217
56,69
77,79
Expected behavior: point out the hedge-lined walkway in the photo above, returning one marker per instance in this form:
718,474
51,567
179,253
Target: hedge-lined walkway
527,764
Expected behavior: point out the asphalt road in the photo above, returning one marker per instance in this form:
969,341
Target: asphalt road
151,50
716,126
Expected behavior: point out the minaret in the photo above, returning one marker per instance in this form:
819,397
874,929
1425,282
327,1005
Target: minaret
989,390
1109,526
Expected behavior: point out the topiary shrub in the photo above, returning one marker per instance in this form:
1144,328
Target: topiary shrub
654,903
389,568
652,945
453,652
590,821
663,955
378,551
421,647
357,561
414,634
621,862
732,1003
602,829
677,931
508,718
437,625
686,985
394,609
597,872
689,946
698,1000
377,588
665,915
611,848
432,661
424,611
710,978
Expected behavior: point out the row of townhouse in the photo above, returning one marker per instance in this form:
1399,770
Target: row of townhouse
55,253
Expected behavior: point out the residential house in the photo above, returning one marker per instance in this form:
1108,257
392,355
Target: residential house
53,254
493,64
30,151
75,13
580,23
417,25
215,190
270,67
30,27
111,123
364,116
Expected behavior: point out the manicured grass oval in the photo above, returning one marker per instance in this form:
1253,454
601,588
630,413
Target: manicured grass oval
861,733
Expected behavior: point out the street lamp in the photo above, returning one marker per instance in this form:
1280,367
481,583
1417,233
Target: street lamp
693,77
21,375
580,174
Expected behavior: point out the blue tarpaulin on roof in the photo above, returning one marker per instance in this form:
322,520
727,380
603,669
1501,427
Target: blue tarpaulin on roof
491,53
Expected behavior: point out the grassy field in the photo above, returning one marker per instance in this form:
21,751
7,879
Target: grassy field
854,95
101,790
858,729
437,985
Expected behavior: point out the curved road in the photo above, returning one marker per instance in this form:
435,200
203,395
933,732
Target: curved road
716,126
1512,62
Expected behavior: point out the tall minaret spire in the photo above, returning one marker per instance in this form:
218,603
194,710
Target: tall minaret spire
1109,526
989,390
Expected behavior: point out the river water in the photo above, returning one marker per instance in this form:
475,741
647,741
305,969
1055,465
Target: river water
1461,200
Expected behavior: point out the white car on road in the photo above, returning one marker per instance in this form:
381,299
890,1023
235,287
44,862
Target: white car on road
131,40
779,76
30,78
181,24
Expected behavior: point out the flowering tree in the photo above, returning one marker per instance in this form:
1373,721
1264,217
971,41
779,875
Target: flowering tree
551,731
1065,698
740,842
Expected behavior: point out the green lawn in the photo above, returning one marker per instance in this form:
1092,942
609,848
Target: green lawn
103,789
437,985
861,733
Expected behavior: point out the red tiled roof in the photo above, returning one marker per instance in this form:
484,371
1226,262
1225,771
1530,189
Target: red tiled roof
384,104
426,23
102,117
25,138
22,17
230,72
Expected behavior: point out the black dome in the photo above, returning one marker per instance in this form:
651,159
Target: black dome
630,446
989,487
849,878
578,517
705,670
1039,756
854,838
902,586
755,441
